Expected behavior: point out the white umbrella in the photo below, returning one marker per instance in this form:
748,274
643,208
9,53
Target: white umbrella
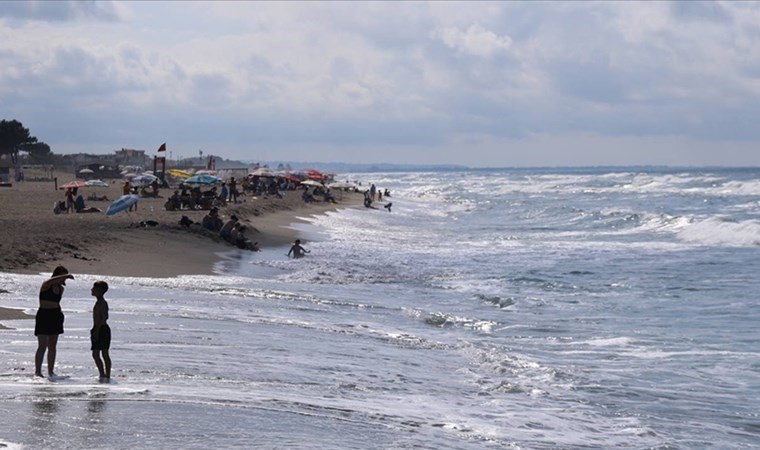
311,183
341,185
86,171
144,180
262,172
96,183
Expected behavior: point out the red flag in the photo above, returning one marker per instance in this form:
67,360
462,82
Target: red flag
162,148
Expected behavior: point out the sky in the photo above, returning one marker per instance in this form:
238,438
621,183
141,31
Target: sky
491,84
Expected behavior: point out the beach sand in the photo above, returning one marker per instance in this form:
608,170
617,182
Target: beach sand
34,240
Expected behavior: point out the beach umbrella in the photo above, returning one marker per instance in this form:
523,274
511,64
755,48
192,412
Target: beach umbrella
176,173
263,172
311,183
121,204
314,175
143,180
290,177
85,171
202,179
73,185
341,185
96,183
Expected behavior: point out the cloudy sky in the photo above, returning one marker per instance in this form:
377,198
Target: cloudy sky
480,84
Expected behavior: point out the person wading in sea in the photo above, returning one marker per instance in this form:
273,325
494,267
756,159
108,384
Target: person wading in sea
48,323
297,250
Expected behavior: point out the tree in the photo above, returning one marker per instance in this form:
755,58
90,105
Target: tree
13,137
39,153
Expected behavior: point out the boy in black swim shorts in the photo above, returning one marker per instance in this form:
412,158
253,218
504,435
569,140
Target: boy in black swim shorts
100,335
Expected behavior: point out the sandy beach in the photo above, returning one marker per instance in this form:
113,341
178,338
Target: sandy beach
34,240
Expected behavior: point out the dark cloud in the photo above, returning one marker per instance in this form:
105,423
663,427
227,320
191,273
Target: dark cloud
212,90
701,10
593,80
375,24
60,11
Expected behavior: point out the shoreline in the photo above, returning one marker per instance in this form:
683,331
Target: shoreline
12,314
169,250
33,240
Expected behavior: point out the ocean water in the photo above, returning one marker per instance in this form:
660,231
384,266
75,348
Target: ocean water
519,309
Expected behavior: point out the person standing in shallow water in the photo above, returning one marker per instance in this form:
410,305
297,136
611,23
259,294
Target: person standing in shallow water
48,323
100,335
297,250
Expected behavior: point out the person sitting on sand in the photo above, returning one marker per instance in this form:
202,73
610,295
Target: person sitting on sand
185,222
48,323
227,228
328,196
297,250
81,208
234,233
59,207
79,203
307,196
174,203
100,334
211,221
243,242
274,189
185,199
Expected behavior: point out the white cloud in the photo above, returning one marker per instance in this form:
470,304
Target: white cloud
476,40
384,75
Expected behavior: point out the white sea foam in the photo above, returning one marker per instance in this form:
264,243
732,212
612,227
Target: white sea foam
740,188
605,342
505,309
721,231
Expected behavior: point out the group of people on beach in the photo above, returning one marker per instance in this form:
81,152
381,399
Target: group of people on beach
48,325
232,231
373,193
73,202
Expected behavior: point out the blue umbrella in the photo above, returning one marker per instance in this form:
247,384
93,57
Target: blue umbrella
121,204
202,179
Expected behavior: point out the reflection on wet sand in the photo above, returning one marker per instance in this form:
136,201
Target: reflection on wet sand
95,408
44,418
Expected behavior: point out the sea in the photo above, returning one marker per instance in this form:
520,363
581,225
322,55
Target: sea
555,308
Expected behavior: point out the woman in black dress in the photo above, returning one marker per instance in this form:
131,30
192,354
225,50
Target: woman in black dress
48,322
